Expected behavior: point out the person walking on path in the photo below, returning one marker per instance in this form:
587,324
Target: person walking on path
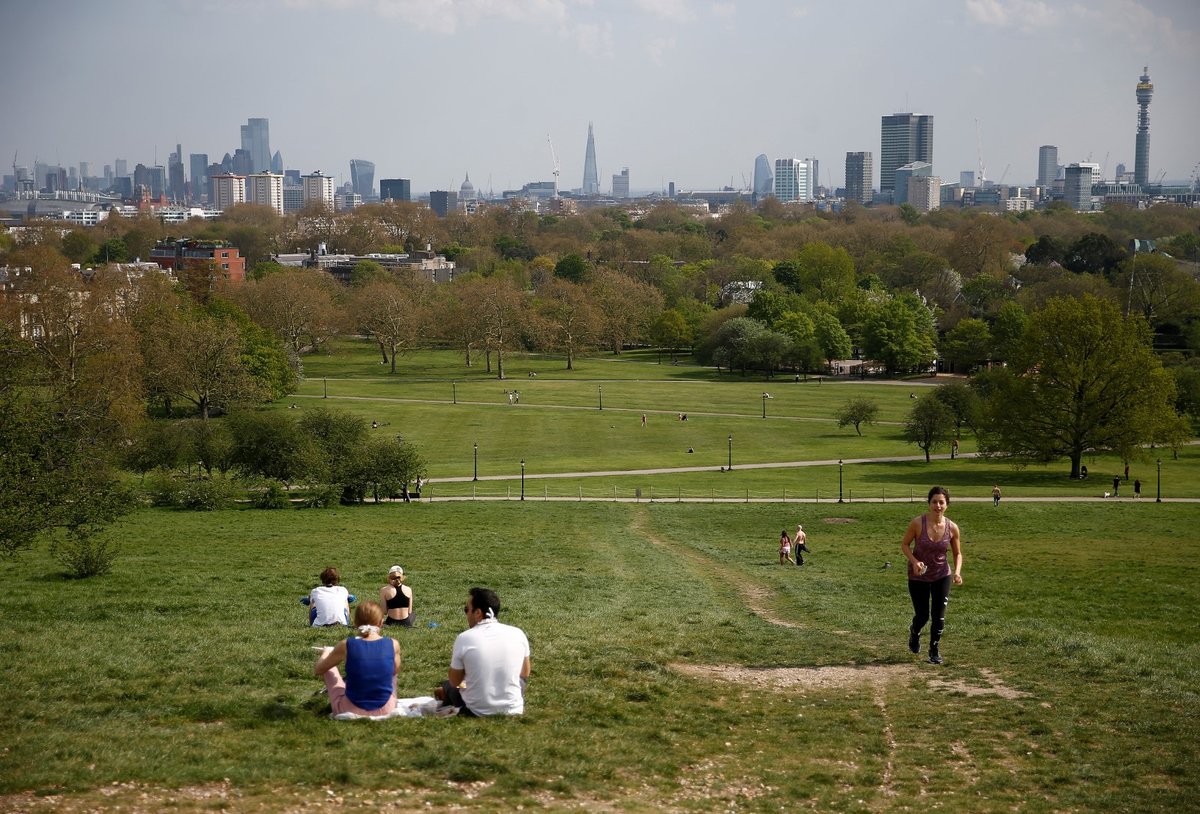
1137,489
927,541
1127,473
799,542
954,449
996,495
785,547
643,419
1116,485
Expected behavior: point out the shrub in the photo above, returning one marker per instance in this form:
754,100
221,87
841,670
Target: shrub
322,497
85,553
162,489
272,497
205,495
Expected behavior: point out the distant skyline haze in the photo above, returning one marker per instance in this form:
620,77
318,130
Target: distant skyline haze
689,91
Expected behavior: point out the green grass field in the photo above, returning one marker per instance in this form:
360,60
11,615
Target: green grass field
676,665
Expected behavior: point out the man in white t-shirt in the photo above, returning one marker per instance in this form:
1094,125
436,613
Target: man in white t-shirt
329,602
490,662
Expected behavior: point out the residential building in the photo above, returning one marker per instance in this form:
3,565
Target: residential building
860,176
178,254
318,189
906,173
924,192
265,189
904,138
227,189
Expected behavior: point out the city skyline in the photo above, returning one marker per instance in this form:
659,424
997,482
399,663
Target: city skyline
678,90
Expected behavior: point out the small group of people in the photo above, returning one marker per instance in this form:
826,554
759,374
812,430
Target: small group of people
787,544
329,603
489,664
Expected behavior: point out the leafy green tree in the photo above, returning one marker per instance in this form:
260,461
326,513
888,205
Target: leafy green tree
964,404
1083,378
272,445
339,439
1007,329
967,344
823,271
572,267
565,318
1157,288
112,250
929,424
900,334
857,411
391,465
79,246
671,331
910,214
1094,253
1046,250
831,338
734,343
369,271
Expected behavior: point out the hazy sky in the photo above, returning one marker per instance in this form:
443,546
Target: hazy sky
679,90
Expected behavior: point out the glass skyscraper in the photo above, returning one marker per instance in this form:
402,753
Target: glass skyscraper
905,138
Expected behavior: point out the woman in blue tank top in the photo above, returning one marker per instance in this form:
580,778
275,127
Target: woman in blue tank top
372,663
929,573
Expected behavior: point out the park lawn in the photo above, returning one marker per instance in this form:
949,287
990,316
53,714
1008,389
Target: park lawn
1069,683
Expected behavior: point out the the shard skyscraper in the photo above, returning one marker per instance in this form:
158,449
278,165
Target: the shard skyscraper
591,178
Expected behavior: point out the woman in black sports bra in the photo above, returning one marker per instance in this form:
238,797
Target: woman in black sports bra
397,598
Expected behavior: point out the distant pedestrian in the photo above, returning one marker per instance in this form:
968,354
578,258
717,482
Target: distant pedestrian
1137,489
954,449
510,397
785,547
799,542
517,396
643,419
1127,473
1116,486
996,495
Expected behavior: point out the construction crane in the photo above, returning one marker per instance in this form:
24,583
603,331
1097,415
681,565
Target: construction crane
554,159
979,150
1004,175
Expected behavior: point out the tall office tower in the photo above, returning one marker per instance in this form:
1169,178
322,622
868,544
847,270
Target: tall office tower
277,163
814,176
1077,186
443,202
227,190
256,141
175,176
265,189
362,177
905,138
120,168
764,182
620,187
395,189
966,179
85,169
1047,165
591,179
792,180
860,176
318,189
198,163
241,163
1141,161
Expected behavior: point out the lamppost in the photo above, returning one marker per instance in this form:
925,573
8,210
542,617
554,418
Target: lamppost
454,390
600,391
1158,483
730,467
765,396
476,446
326,381
522,479
840,481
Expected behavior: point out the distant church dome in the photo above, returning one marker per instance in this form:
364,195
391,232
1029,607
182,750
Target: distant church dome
467,191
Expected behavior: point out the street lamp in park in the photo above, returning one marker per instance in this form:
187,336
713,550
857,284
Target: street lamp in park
476,446
765,396
522,479
1158,483
454,390
840,481
600,391
730,466
326,382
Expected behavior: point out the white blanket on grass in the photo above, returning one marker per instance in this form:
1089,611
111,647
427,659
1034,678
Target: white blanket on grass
423,706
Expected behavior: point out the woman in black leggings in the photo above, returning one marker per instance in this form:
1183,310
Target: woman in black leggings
926,542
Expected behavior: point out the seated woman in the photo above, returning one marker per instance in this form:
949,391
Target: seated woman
397,598
329,602
372,662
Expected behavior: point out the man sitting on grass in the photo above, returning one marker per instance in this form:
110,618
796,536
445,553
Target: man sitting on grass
490,662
